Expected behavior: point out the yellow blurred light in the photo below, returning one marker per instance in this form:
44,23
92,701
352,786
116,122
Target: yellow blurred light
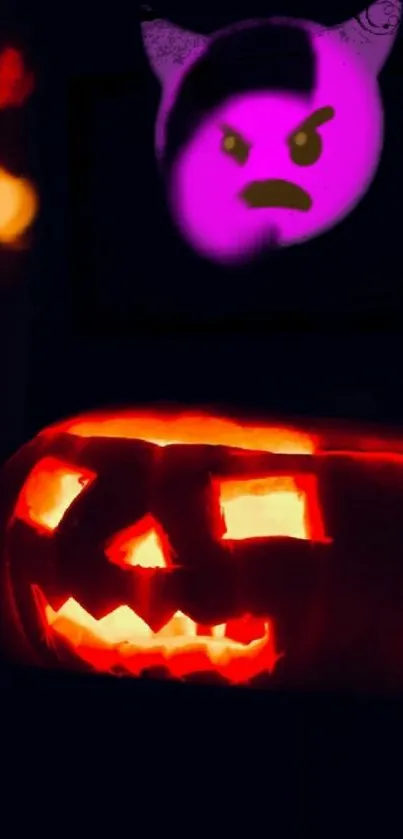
18,207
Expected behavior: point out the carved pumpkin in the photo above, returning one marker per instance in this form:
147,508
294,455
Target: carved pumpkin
199,546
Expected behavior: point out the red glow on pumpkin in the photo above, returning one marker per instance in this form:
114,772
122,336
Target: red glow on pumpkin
273,506
48,492
122,639
15,83
143,544
196,429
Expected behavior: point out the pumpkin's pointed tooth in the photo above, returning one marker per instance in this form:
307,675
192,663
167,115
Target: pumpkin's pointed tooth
179,624
219,630
123,624
71,621
70,630
72,610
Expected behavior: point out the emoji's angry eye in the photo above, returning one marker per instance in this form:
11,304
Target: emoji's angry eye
305,143
305,149
234,145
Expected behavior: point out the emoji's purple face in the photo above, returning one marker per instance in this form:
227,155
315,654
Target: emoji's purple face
274,167
266,166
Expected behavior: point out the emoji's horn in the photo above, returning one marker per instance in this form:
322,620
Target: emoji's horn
373,32
168,47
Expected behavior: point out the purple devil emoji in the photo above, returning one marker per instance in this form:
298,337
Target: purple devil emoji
269,132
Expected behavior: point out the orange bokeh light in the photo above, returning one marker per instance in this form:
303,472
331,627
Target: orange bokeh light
18,207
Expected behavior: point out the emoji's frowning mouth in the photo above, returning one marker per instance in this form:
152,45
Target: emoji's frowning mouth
276,193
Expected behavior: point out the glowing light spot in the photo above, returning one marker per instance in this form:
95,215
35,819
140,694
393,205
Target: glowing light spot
48,492
18,207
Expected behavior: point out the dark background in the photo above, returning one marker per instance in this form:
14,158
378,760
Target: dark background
318,341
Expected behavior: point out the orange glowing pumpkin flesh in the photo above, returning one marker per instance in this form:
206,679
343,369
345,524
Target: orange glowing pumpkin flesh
190,543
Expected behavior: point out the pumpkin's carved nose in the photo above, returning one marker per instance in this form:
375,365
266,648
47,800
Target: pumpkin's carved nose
269,576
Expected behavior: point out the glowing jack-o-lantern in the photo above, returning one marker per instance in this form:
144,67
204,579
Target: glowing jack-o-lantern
195,545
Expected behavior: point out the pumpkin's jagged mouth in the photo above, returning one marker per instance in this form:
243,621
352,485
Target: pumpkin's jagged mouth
121,639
